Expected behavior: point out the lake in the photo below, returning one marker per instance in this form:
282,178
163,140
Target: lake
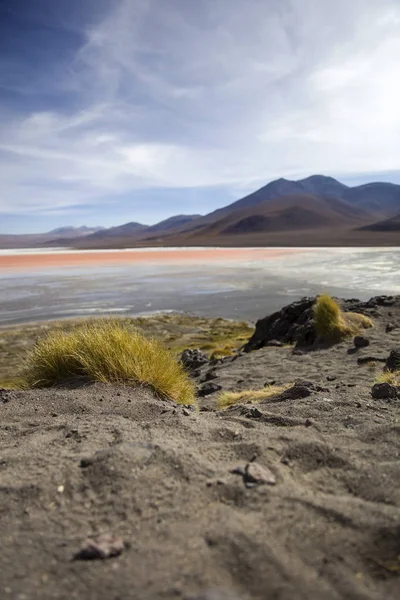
244,284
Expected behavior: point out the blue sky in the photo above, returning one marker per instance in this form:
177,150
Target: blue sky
134,110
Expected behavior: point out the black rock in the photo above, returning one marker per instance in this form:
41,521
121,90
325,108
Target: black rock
195,373
208,388
193,359
391,327
210,375
385,390
367,359
300,389
393,361
331,378
360,341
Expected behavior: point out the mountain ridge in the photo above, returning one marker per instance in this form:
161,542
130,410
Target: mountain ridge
315,204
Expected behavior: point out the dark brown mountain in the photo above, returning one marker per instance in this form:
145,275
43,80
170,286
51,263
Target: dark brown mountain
391,224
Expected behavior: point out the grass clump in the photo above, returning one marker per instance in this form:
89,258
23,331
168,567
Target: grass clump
334,325
392,377
221,353
227,399
108,351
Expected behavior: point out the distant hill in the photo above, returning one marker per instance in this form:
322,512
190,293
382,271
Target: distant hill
57,237
74,231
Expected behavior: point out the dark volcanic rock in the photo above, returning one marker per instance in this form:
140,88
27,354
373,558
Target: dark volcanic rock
294,323
391,327
393,360
208,388
101,547
300,389
360,341
193,359
385,390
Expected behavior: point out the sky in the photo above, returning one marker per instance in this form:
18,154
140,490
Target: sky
134,110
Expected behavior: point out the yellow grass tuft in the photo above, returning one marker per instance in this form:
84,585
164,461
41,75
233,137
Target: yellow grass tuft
332,324
108,351
392,377
221,352
227,399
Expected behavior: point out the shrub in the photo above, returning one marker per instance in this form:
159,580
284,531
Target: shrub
332,324
227,399
392,377
108,351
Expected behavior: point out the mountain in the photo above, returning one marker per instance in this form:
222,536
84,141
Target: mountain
135,233
121,230
297,212
74,231
391,224
316,210
380,199
172,223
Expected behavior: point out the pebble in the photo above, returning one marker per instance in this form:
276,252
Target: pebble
100,547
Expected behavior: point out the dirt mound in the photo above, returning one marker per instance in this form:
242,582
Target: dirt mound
299,499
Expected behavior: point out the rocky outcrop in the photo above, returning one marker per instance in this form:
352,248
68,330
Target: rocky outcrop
294,323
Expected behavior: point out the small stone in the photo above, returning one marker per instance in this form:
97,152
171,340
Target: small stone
384,390
274,343
308,423
360,341
100,547
60,489
254,413
193,359
258,474
390,327
331,378
270,382
186,412
210,375
298,352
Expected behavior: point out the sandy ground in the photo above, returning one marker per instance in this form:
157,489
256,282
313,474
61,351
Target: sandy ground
109,257
103,459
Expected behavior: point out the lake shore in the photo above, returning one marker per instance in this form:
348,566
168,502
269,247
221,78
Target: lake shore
298,492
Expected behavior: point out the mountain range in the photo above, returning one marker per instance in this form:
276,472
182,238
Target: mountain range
318,210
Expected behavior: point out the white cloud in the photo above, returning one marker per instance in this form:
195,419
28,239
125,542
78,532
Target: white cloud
217,92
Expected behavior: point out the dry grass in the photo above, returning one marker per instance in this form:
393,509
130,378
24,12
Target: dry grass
227,399
222,352
392,377
108,351
176,331
332,324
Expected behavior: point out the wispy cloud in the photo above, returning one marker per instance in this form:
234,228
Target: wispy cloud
228,93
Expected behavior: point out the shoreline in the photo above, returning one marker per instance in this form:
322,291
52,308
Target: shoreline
69,258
